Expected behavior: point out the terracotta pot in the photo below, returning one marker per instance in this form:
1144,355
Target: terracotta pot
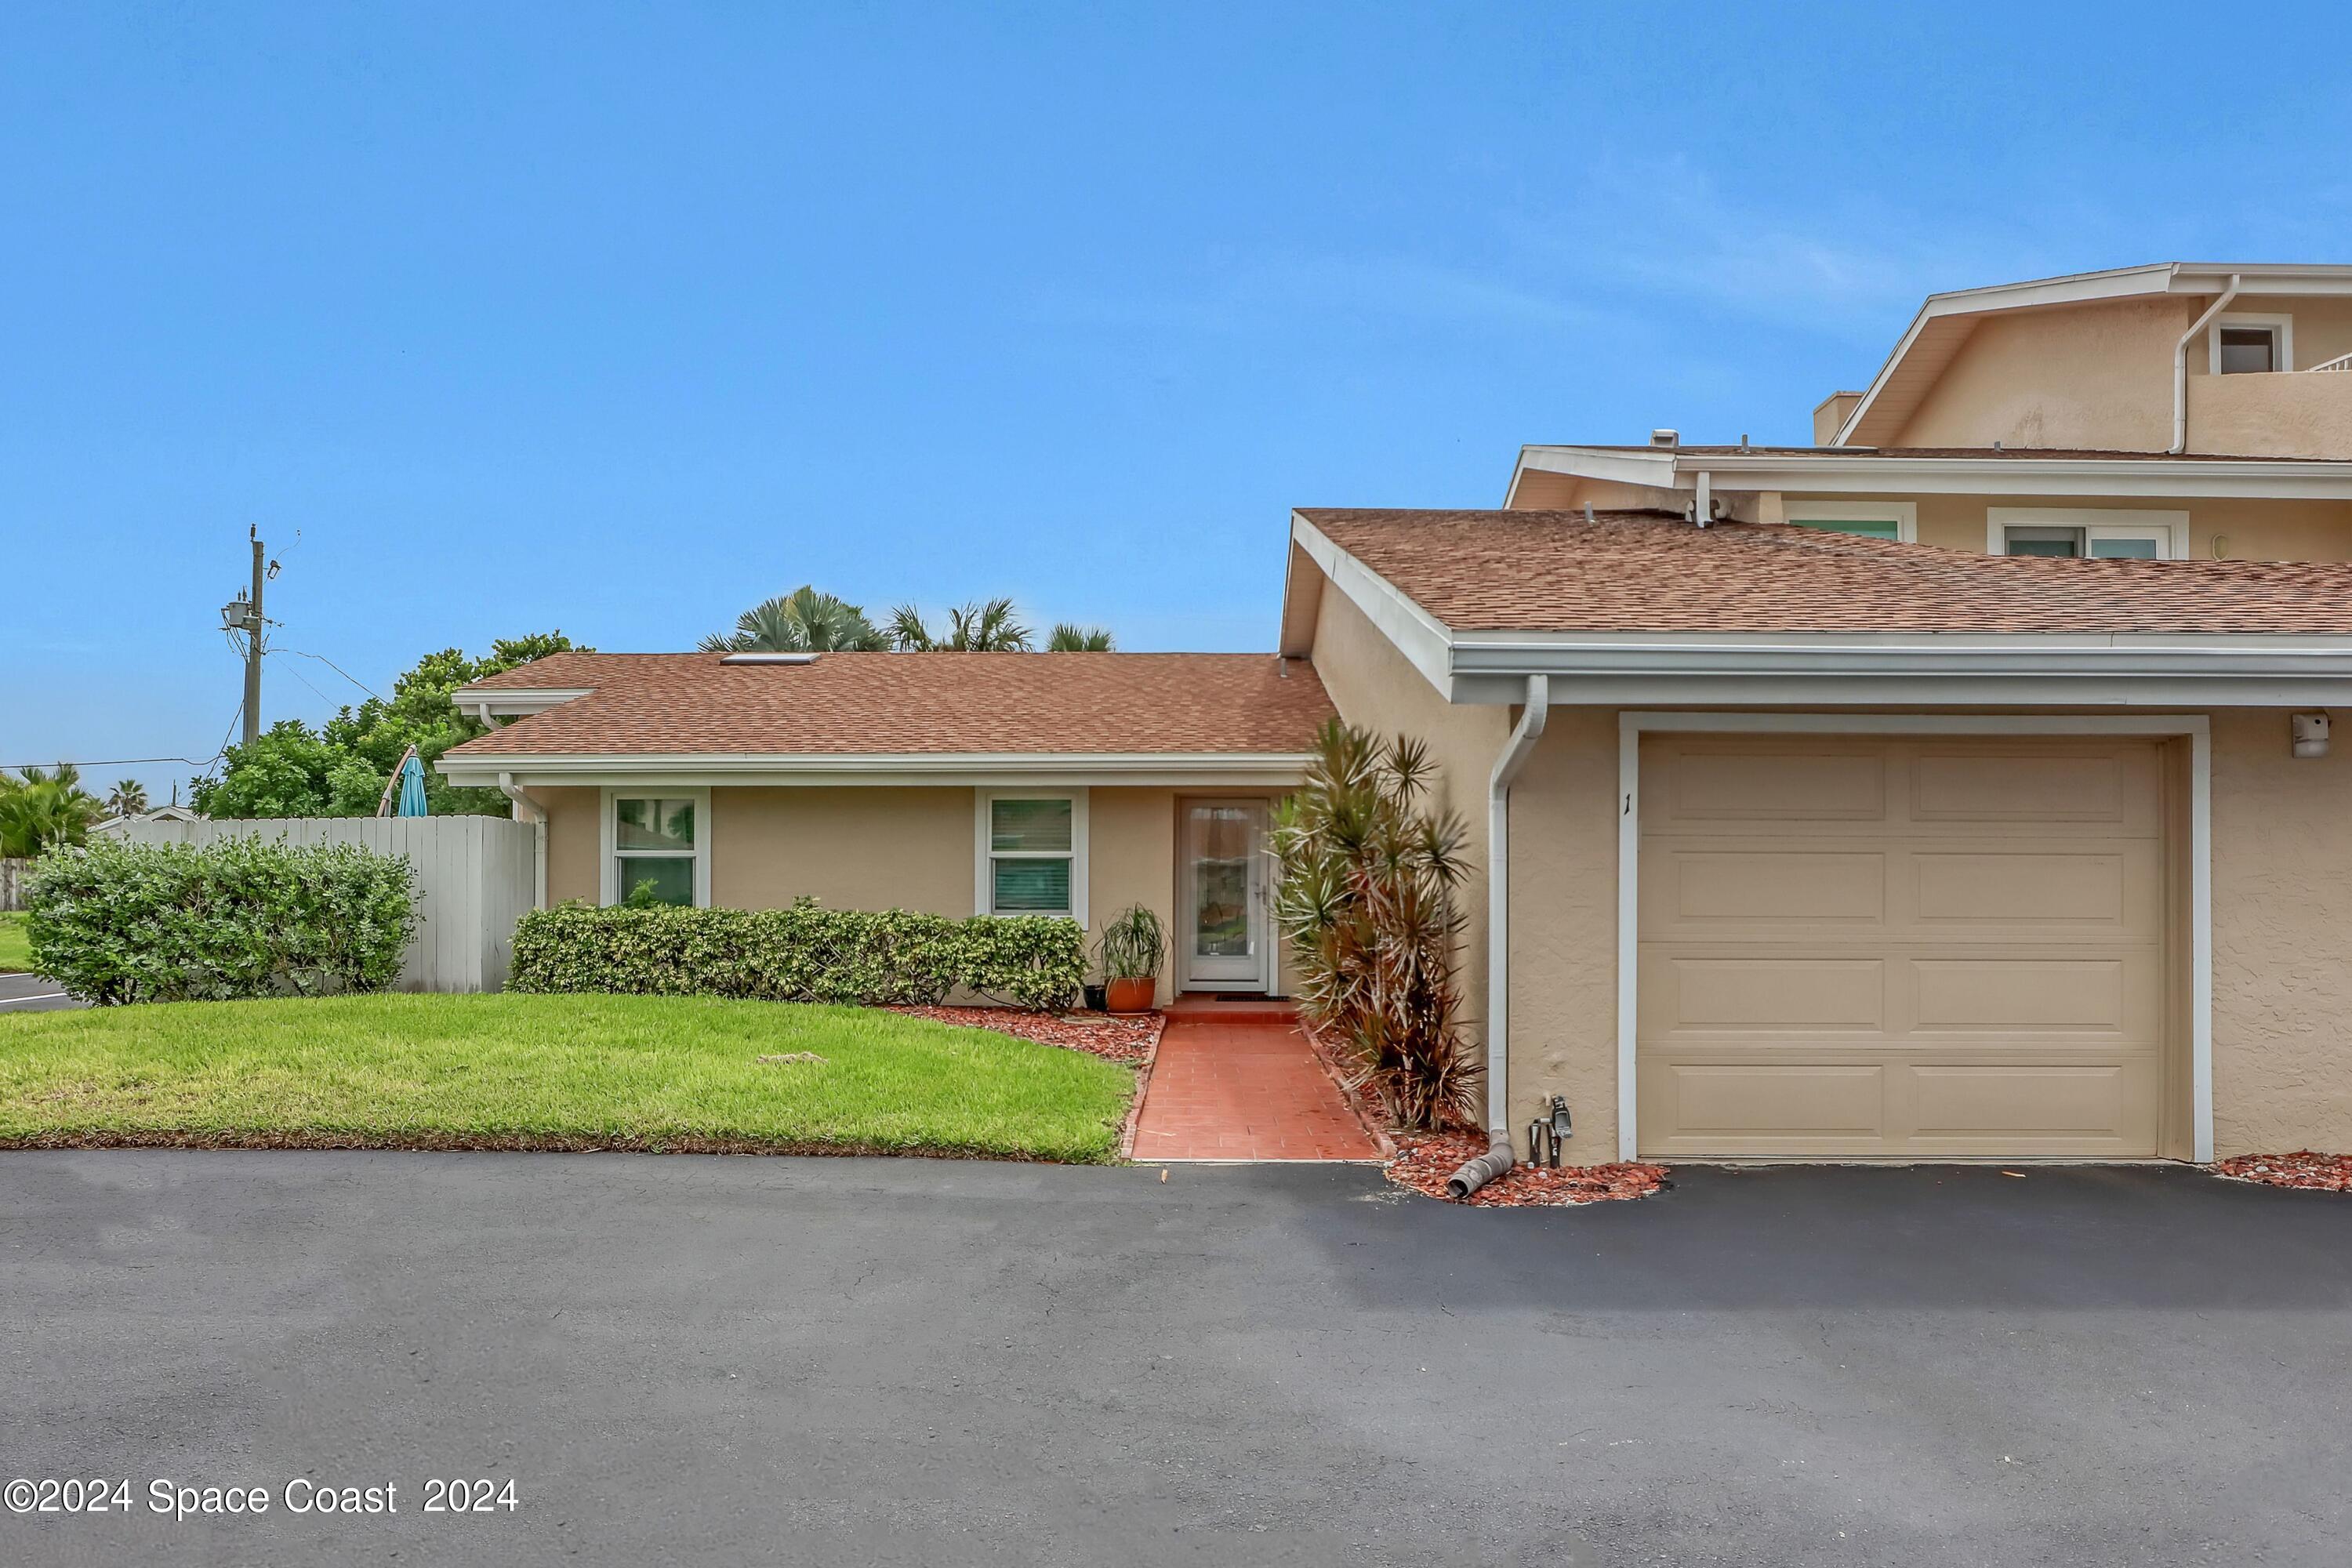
1131,996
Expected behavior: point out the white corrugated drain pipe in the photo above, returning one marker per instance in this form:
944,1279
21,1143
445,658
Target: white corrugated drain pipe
1477,1172
529,810
2180,366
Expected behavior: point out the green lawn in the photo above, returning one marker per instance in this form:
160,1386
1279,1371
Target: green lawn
16,950
571,1072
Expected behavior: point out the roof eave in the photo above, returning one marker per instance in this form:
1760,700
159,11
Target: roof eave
1164,769
1867,472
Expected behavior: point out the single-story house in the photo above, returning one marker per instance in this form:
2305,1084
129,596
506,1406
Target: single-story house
1797,844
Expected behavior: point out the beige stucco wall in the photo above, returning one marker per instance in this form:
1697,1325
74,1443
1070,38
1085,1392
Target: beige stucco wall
2281,934
2322,328
572,843
1373,686
2287,414
1131,859
2282,939
2083,376
849,848
2245,530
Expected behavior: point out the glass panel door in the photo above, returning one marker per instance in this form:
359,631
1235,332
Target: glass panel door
1226,939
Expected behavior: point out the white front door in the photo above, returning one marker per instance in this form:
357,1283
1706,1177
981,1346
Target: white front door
1227,938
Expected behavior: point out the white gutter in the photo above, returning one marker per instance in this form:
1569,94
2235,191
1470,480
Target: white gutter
1516,752
529,810
2180,366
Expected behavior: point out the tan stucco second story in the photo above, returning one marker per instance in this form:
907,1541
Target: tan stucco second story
2230,359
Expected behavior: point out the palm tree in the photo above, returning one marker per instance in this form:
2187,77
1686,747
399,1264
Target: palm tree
802,621
128,799
1070,637
42,808
976,627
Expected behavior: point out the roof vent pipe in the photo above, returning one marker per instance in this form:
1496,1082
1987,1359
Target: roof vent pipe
1665,437
1477,1172
2181,365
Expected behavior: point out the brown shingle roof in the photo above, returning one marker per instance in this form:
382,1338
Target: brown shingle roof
1650,571
930,703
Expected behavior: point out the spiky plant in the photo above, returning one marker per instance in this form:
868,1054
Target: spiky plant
1070,637
1371,876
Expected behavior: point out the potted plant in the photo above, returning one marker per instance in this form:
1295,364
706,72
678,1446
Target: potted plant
1132,948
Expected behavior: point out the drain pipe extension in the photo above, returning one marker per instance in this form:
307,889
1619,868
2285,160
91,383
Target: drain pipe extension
1477,1172
529,810
2180,366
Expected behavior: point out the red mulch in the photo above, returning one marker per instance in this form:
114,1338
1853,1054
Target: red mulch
1125,1038
2303,1168
1424,1160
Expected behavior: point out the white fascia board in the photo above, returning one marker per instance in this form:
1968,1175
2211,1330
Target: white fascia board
1896,690
1653,467
517,699
1423,639
1272,770
1865,473
2261,278
1893,668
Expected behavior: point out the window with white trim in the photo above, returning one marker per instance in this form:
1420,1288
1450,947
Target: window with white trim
2252,345
2097,534
1897,519
1033,853
654,850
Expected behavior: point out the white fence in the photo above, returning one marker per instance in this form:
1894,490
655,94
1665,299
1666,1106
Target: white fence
475,878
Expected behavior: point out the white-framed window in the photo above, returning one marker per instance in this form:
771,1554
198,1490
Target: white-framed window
658,838
2105,533
2251,345
1897,519
1031,856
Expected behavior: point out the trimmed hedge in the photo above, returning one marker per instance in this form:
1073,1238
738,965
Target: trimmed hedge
804,953
114,921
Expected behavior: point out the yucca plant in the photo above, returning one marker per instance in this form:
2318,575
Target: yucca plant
1370,876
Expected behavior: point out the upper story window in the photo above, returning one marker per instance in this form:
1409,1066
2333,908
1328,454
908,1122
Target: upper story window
2100,533
2252,345
1870,519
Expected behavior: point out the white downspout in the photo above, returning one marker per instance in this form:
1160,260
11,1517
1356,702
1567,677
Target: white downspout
2180,366
529,810
1516,752
1704,511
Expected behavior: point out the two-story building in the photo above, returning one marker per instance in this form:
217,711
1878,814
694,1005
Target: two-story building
1958,786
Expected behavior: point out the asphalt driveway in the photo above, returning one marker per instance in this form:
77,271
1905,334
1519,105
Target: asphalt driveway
871,1361
32,994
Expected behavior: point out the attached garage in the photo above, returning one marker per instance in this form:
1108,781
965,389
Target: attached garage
1911,946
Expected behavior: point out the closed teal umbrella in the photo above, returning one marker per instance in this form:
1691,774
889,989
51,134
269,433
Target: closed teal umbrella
412,789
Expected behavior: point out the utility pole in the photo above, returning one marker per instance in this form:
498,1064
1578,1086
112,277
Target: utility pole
243,615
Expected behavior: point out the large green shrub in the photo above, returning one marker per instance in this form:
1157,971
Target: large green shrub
804,953
116,921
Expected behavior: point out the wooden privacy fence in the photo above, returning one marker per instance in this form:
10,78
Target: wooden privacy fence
475,878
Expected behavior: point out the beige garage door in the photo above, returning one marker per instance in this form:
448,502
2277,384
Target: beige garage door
1913,949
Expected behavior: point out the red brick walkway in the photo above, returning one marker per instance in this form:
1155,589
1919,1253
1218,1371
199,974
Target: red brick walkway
1244,1088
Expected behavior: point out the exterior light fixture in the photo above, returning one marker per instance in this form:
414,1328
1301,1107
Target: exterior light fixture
2310,734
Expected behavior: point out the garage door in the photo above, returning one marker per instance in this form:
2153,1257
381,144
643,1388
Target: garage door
1913,949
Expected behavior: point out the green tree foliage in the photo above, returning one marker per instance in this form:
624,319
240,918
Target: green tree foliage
41,808
989,626
802,621
1070,637
340,768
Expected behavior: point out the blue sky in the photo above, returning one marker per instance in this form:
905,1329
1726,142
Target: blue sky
618,319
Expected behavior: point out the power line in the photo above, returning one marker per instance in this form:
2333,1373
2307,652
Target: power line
330,664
